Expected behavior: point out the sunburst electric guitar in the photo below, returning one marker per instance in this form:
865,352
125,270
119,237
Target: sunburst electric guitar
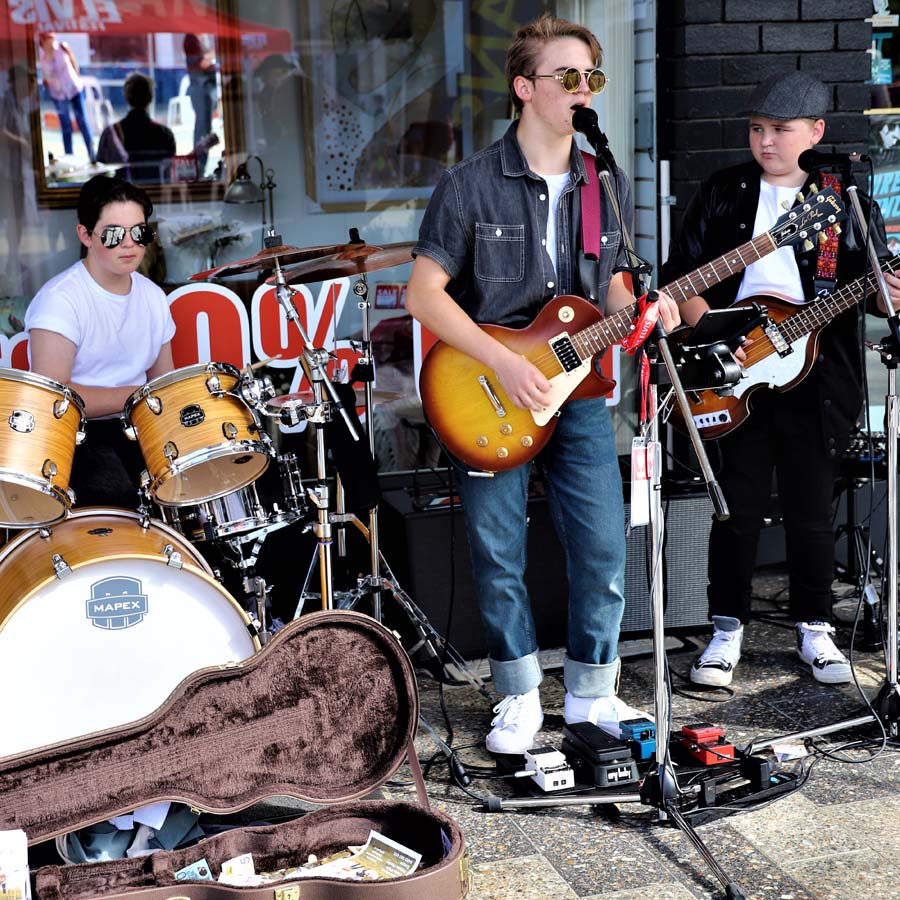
477,422
782,353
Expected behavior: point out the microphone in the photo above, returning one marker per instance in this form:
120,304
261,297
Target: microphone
584,120
813,159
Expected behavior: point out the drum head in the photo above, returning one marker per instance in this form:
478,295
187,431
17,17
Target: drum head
106,644
210,474
24,504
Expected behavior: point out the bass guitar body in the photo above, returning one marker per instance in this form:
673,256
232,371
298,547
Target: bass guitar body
775,360
471,413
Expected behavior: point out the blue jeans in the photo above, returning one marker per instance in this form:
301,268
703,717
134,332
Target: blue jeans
584,488
65,123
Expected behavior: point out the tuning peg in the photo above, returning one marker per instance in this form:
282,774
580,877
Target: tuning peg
808,244
837,228
800,197
814,188
785,204
822,237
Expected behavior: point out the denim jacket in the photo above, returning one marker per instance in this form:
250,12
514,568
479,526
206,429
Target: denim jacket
486,226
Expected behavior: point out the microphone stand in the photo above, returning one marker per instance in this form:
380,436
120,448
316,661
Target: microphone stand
886,707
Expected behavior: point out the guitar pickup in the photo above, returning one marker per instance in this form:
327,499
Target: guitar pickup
565,353
776,339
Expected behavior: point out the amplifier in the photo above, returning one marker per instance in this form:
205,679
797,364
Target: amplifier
418,543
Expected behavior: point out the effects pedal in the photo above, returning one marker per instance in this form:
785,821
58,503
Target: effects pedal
705,742
549,769
597,757
640,735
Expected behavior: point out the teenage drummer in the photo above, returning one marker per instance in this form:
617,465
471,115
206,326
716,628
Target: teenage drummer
105,330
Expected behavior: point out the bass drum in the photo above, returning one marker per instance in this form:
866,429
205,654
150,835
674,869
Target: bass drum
101,617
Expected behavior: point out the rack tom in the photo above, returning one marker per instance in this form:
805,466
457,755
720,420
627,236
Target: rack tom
199,436
41,422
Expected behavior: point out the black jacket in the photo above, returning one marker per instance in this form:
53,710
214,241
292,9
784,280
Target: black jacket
719,218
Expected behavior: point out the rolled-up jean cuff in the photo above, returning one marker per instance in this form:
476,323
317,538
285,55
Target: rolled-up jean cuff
516,676
588,680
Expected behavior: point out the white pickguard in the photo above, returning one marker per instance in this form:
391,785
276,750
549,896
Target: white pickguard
774,370
560,387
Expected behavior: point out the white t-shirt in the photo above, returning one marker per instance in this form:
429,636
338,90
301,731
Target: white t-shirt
778,271
556,184
118,338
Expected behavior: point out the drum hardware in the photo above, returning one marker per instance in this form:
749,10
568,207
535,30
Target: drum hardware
356,258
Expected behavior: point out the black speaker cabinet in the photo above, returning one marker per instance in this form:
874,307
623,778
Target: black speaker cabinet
430,558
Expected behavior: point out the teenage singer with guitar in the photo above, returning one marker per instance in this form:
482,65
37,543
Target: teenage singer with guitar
500,239
801,428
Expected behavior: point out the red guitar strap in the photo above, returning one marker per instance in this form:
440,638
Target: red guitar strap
590,208
826,264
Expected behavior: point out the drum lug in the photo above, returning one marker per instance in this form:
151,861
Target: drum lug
130,432
214,385
154,404
170,451
22,421
145,481
61,407
60,566
49,469
45,533
71,495
80,435
229,429
173,557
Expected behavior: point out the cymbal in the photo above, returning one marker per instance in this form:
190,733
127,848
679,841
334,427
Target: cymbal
307,398
265,260
351,259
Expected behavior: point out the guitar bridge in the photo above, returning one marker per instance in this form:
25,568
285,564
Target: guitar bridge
776,338
565,352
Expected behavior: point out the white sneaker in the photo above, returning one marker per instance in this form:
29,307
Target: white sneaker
815,646
605,712
518,720
715,666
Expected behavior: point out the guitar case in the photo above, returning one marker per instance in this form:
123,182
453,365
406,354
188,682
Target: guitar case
326,712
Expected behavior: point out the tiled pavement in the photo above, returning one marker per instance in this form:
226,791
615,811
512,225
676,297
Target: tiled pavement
835,839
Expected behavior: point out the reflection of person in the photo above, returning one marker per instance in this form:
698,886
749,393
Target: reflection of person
17,191
201,68
59,70
270,120
105,330
800,434
146,146
498,241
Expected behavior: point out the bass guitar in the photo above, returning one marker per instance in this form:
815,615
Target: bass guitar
477,422
782,354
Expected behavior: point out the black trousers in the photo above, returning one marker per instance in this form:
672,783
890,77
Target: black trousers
783,434
106,469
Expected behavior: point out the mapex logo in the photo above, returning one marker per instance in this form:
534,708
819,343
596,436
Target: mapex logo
116,603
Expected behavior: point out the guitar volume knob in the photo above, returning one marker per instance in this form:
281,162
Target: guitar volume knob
502,453
481,441
506,428
527,440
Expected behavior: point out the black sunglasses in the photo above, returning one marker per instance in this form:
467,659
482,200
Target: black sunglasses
113,235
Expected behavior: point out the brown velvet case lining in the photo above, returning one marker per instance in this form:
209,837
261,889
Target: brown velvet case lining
273,847
324,712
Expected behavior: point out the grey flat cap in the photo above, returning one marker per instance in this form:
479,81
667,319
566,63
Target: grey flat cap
794,95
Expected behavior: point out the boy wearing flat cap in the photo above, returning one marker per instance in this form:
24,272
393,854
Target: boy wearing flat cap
799,434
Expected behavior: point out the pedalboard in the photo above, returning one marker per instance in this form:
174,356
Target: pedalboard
640,735
706,743
597,757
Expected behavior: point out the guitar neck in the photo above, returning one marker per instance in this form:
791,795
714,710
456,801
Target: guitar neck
820,312
613,328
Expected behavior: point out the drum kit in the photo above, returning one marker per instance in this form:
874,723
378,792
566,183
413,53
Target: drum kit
103,611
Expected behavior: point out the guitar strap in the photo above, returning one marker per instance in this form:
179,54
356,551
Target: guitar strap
590,209
829,242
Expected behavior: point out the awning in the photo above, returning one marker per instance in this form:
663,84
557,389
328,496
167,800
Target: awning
22,20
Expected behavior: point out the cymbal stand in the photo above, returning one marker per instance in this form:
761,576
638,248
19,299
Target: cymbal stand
313,360
380,577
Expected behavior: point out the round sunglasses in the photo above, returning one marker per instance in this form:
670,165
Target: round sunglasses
570,79
113,235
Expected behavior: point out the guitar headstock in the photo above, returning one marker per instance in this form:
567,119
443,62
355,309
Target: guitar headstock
806,220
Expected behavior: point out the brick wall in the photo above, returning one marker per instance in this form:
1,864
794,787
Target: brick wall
712,52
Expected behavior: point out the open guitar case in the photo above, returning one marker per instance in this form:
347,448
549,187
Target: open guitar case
326,712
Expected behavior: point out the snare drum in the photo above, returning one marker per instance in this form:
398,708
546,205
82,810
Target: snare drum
44,420
100,618
197,434
273,501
